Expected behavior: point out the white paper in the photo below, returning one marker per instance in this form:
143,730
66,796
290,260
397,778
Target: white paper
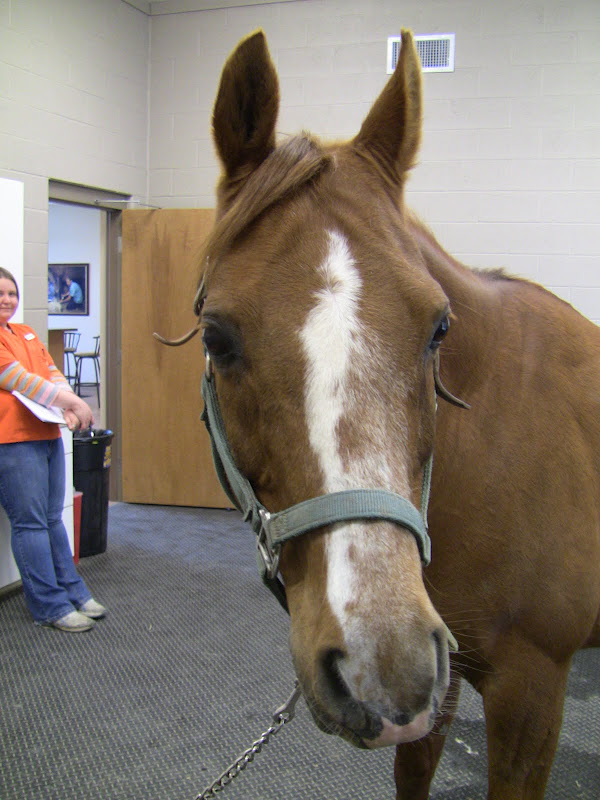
52,414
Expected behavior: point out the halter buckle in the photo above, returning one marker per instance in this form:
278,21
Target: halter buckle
268,553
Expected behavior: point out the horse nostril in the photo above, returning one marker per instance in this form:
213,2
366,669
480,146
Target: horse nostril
352,714
331,673
401,718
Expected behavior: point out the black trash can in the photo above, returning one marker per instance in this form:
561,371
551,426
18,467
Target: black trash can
91,473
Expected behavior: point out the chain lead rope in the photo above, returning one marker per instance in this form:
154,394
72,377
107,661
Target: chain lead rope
282,715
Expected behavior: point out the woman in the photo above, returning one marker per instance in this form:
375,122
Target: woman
32,473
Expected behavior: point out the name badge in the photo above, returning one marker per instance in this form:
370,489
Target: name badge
29,336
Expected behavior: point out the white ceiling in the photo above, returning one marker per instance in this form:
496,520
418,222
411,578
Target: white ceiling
154,7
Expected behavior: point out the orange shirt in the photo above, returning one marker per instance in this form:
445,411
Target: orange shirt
26,365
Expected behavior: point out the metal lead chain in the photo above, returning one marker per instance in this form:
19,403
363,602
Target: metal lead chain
283,714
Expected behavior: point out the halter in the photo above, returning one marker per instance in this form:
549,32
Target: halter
272,530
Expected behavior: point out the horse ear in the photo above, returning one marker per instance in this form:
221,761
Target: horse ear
391,133
246,107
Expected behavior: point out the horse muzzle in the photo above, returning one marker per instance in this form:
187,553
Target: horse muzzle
373,730
369,712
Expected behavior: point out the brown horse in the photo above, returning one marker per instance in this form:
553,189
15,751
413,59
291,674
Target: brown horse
323,306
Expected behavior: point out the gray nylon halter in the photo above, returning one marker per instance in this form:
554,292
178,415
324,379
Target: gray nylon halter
273,529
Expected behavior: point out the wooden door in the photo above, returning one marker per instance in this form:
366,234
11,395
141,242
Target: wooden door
166,457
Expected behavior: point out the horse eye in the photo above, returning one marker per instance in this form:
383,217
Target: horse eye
440,332
222,345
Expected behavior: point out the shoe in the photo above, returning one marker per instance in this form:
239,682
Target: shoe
73,622
92,609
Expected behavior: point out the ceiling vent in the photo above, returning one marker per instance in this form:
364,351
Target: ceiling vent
435,51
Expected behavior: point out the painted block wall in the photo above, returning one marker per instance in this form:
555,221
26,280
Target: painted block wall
509,173
73,107
12,205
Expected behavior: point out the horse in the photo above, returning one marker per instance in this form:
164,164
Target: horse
331,318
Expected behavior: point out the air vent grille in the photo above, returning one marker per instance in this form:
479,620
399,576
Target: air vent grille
435,51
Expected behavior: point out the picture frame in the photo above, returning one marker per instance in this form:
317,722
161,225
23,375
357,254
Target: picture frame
64,279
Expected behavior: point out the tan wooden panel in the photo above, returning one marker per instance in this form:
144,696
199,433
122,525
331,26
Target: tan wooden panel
56,347
165,449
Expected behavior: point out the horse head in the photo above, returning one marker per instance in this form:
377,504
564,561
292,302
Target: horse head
321,323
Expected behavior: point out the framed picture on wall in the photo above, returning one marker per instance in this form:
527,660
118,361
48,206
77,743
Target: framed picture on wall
68,289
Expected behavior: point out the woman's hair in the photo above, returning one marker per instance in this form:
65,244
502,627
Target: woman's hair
4,273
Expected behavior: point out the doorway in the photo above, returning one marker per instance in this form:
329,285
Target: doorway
100,211
77,255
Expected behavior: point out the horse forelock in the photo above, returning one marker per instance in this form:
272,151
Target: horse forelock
289,167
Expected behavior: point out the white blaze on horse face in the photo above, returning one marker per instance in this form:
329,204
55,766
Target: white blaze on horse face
332,341
339,353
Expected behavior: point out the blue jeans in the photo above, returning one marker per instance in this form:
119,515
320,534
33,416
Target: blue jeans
32,491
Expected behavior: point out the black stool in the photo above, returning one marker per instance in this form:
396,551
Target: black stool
79,359
70,345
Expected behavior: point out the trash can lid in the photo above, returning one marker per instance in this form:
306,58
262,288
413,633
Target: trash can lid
89,434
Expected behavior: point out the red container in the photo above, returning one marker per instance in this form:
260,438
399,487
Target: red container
76,524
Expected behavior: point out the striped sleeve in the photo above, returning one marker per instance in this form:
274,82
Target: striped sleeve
14,377
58,378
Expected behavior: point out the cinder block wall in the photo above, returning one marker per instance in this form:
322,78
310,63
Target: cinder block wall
97,93
510,164
73,106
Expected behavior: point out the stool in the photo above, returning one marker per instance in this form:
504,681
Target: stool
95,358
70,345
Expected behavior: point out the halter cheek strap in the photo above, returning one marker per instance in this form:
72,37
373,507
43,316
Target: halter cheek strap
272,530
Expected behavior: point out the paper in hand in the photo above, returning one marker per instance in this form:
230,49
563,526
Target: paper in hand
52,414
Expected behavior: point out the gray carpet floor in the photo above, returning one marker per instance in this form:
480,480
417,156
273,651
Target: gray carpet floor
185,673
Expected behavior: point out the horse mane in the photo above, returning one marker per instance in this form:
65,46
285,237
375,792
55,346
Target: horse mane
288,167
427,238
497,274
495,278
